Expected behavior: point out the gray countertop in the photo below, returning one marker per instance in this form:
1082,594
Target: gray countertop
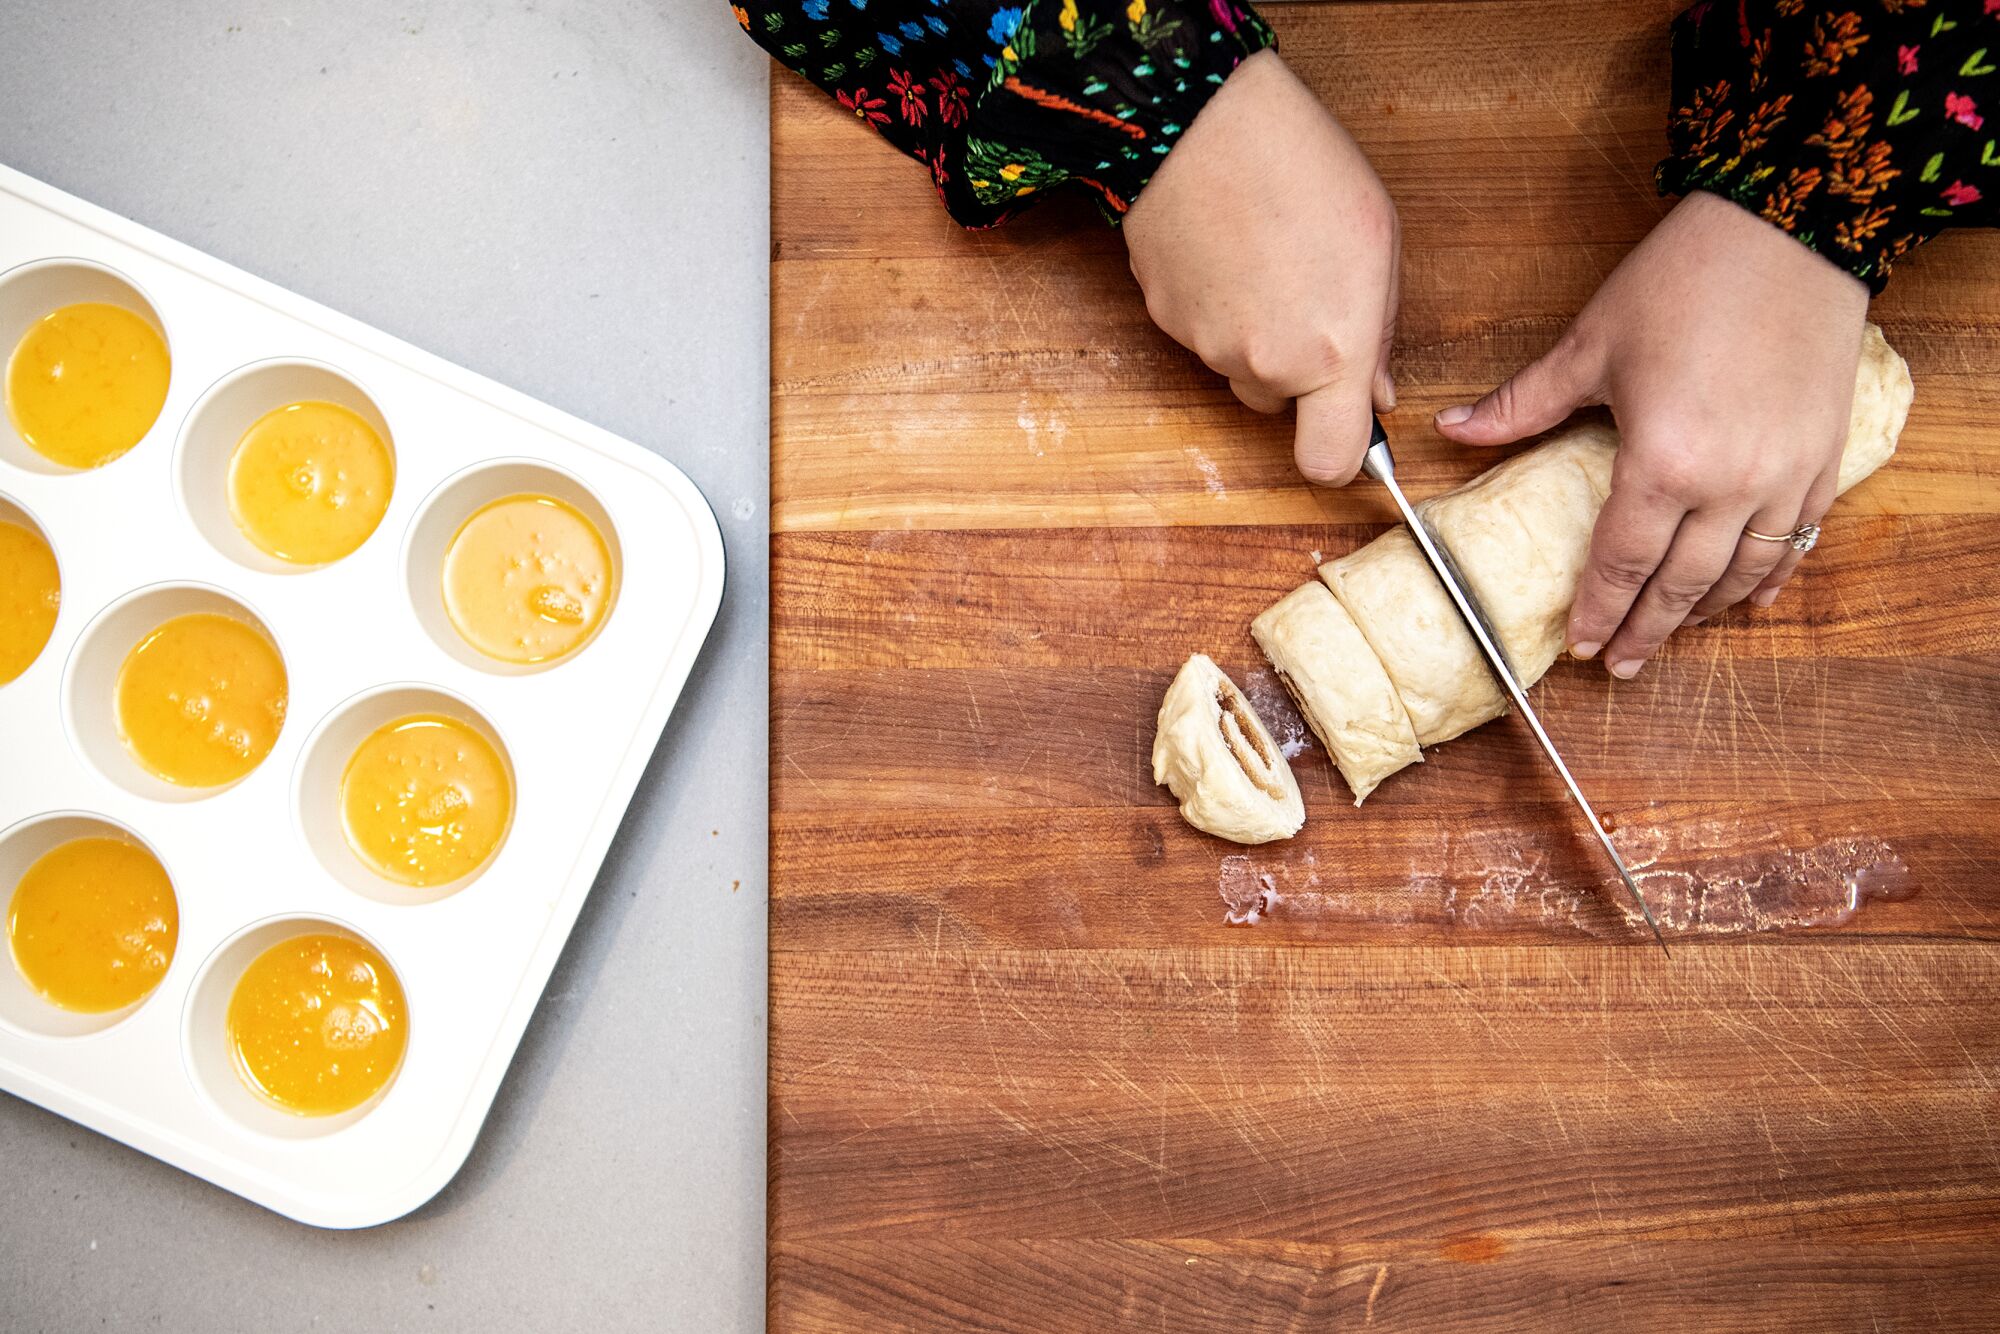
572,199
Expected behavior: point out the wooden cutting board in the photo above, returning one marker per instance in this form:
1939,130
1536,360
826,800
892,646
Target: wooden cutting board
1023,1073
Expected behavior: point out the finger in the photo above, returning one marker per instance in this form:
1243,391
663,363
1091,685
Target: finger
1332,432
1701,551
1754,558
1385,379
1538,396
1633,532
1818,501
1257,398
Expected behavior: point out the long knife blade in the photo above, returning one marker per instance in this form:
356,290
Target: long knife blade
1379,464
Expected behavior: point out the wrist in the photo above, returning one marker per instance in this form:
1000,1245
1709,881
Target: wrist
1760,248
1224,132
1185,91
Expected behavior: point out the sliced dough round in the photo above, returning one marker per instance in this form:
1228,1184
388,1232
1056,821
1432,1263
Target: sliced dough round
1410,622
1339,685
1217,757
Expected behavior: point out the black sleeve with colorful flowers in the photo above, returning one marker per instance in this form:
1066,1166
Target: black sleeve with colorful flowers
1858,127
1004,101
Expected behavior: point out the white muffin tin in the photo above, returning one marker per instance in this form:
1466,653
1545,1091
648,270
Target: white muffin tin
364,640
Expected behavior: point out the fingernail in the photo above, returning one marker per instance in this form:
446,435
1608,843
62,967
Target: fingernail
1452,416
1584,651
1627,668
1766,598
1692,620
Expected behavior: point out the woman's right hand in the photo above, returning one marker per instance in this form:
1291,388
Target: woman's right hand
1267,246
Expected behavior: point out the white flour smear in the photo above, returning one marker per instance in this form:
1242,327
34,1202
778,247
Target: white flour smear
1696,874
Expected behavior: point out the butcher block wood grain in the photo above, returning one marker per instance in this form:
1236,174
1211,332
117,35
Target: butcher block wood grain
1026,1074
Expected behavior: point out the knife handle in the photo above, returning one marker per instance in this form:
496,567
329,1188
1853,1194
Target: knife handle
1376,460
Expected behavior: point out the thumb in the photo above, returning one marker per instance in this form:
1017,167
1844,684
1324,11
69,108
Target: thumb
1536,397
1333,429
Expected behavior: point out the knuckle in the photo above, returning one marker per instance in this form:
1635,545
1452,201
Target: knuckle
1678,477
1218,357
1627,574
1761,483
1677,592
1327,349
1265,359
1376,218
1505,400
1321,355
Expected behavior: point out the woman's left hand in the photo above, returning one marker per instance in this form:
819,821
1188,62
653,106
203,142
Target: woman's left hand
1727,352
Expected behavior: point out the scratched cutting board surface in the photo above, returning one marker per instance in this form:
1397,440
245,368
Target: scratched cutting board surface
1025,1075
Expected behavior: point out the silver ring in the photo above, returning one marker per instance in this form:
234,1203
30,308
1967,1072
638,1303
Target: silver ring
1802,538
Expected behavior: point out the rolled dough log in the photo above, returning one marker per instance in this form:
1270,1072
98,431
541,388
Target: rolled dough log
1882,394
1215,755
1339,686
1520,533
1407,618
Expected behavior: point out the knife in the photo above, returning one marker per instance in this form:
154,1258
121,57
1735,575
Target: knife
1378,463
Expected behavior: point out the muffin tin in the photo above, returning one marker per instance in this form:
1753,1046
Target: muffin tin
364,639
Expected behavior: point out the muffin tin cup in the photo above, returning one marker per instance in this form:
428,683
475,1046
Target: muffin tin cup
215,426
364,639
211,1065
316,796
445,511
22,1008
91,680
32,290
12,511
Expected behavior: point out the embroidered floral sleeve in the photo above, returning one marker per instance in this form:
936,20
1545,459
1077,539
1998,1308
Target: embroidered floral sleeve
1004,101
1858,127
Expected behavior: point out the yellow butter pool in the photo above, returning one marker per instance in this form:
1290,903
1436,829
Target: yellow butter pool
201,699
30,597
318,1024
86,383
528,579
93,923
310,481
426,800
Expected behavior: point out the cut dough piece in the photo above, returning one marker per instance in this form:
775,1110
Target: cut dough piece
1215,755
1407,618
1882,394
1520,533
1339,686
